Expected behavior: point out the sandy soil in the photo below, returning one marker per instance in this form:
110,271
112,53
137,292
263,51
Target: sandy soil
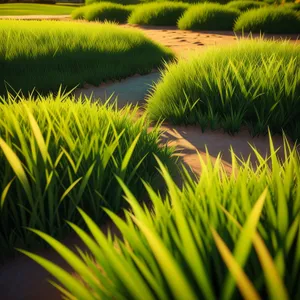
184,42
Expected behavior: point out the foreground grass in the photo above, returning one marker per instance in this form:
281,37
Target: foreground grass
245,4
158,13
22,9
56,153
55,53
221,237
254,84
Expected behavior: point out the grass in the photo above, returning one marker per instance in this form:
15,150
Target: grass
269,20
224,236
245,5
293,6
208,16
123,2
159,14
55,53
104,11
254,83
22,9
56,153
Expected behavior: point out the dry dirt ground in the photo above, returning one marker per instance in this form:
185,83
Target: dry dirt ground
23,279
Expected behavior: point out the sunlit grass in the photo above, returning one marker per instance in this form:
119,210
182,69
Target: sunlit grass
57,153
66,53
223,236
20,9
254,83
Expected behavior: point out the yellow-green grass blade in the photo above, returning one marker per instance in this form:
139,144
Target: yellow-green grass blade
276,287
244,284
4,193
243,246
126,273
16,165
178,283
64,277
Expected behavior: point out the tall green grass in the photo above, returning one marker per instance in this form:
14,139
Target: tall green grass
123,2
56,153
55,53
253,83
158,13
104,11
269,20
224,236
245,5
208,16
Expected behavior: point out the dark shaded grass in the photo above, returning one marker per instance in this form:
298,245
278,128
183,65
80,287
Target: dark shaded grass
63,53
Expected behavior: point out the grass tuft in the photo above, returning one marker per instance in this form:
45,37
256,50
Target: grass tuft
254,83
269,20
208,16
56,154
158,13
104,11
245,5
65,53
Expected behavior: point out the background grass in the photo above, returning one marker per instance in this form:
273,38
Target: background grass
20,9
56,153
156,13
220,237
269,20
55,53
246,5
208,16
105,11
123,2
253,83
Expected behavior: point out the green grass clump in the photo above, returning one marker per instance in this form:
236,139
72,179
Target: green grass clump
245,5
220,237
208,16
104,11
254,83
20,9
158,13
78,13
269,20
55,53
293,6
56,153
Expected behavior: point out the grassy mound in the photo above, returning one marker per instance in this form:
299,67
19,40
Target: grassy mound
164,13
20,9
66,53
221,237
245,5
208,16
105,11
269,20
56,154
254,83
